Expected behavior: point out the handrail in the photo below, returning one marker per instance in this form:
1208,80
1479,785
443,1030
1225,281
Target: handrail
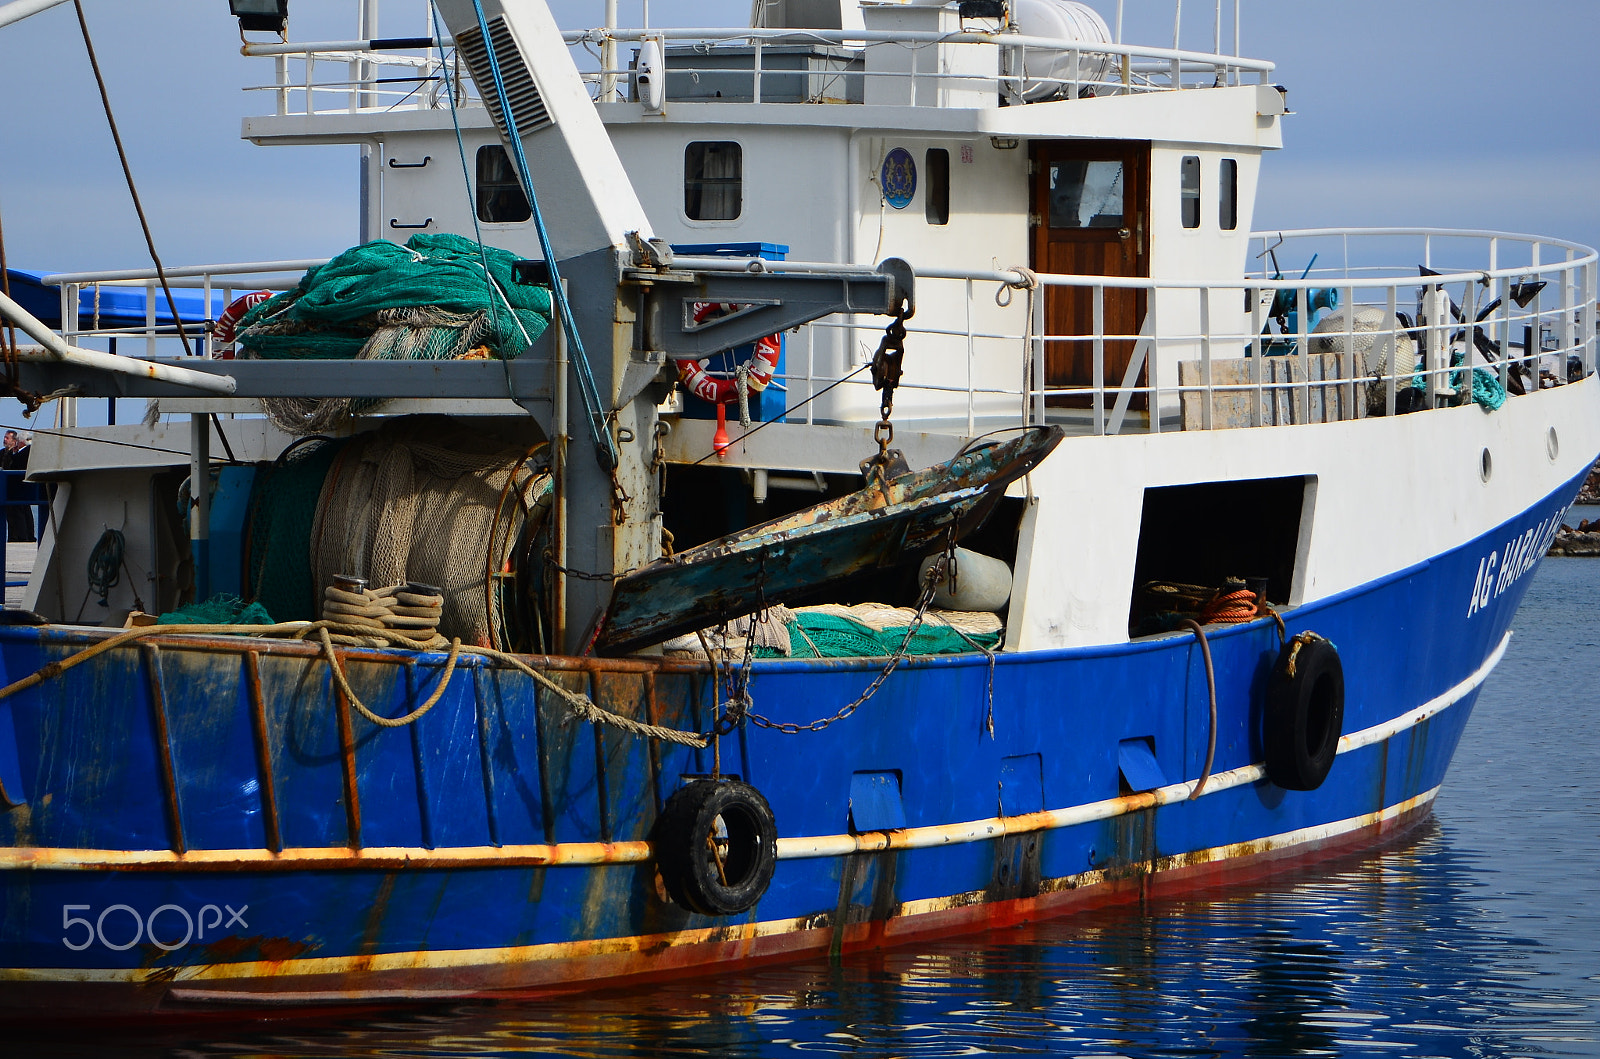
1196,323
58,279
842,37
57,349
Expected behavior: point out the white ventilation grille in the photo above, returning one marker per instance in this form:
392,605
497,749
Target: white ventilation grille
527,106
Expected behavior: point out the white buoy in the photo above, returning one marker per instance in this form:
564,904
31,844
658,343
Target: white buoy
982,582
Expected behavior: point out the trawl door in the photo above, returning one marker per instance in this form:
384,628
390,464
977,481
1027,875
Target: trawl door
1091,204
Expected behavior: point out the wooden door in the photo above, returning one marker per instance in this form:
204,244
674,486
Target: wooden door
1091,208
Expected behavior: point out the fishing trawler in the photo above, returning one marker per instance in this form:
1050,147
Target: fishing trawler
766,491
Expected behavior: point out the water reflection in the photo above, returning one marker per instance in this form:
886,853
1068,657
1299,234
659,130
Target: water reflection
1387,955
1476,937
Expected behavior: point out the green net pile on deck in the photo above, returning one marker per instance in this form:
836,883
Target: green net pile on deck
438,297
874,631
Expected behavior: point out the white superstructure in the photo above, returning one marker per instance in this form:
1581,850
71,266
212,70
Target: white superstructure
1078,211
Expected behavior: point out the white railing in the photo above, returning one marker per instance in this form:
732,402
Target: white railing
1206,354
226,280
1200,354
369,75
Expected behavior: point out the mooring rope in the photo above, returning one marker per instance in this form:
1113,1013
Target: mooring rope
331,633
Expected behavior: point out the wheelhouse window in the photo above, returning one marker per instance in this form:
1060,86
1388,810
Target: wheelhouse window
1191,191
713,181
500,196
1085,194
937,203
1228,189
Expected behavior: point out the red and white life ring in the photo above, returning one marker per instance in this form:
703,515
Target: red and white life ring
698,381
222,335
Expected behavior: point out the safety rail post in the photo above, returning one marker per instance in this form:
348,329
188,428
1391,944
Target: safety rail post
205,310
1258,367
1589,323
281,79
1348,375
1302,354
810,376
971,353
1569,323
1099,341
311,63
1153,364
1469,313
1206,410
608,56
1036,302
1533,350
1437,337
150,289
1503,291
71,298
755,72
1391,385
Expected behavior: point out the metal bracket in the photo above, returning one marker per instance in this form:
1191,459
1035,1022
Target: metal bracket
767,303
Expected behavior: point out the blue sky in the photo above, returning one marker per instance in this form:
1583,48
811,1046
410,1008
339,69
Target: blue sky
1460,113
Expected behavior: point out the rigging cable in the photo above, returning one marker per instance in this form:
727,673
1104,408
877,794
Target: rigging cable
451,84
605,448
127,172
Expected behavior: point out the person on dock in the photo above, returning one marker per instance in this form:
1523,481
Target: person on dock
14,457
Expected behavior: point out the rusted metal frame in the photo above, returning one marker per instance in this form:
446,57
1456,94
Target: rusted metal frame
384,656
419,763
583,853
652,710
169,779
347,755
547,812
258,725
485,757
602,784
384,858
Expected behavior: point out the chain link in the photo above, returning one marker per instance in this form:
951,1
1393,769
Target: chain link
887,364
739,703
581,575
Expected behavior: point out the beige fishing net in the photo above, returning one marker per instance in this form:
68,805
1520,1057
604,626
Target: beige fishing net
425,499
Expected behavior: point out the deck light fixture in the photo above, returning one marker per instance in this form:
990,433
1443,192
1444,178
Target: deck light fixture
270,16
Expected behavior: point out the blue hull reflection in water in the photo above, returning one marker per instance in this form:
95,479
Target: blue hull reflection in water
1477,937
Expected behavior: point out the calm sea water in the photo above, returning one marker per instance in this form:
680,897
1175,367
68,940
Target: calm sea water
1479,937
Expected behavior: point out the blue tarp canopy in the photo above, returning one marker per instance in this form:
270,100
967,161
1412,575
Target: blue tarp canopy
119,306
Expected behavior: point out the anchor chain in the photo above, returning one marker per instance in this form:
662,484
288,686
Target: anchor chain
739,703
887,364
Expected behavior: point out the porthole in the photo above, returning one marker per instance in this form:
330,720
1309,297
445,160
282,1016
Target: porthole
1552,444
1485,465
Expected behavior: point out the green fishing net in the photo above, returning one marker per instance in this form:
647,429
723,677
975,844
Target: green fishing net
427,300
283,506
218,610
834,636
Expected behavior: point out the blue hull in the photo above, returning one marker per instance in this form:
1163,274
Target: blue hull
196,823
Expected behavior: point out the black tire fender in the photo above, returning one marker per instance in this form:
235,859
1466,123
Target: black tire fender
716,846
1305,713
